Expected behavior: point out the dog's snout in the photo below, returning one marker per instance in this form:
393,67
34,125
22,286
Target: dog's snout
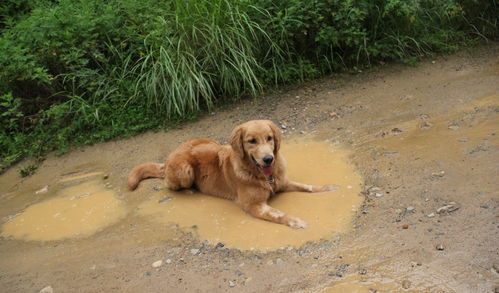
267,159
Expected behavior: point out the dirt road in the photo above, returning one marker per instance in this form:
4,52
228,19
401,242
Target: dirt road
417,149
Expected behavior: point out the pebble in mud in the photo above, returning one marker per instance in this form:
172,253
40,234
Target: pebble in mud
47,289
157,264
232,283
439,247
405,226
406,284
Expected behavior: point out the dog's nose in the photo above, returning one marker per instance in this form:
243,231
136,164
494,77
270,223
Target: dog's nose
267,159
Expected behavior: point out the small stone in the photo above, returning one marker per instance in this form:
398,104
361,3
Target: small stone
379,195
405,226
232,283
168,261
425,125
495,267
410,209
219,245
45,189
302,132
283,126
165,199
438,174
439,247
157,264
363,271
106,176
279,261
406,284
431,215
47,289
452,206
194,251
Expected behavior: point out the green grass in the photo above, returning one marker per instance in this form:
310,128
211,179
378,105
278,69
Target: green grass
76,72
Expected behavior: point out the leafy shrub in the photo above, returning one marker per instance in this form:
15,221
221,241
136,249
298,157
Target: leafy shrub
81,71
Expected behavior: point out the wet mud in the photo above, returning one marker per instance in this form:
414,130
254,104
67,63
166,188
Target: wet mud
415,150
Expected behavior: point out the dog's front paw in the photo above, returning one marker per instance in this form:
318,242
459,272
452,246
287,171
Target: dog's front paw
329,188
296,223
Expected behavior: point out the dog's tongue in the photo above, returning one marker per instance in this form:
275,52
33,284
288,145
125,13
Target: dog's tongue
267,171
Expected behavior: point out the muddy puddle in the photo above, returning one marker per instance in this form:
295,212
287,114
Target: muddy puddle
77,206
219,220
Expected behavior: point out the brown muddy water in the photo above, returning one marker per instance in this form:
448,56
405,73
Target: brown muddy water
219,220
83,204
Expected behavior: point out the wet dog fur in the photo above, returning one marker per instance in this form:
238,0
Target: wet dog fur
248,171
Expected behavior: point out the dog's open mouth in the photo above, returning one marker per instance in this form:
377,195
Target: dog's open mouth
266,170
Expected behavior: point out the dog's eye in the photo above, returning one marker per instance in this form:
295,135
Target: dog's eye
252,141
269,138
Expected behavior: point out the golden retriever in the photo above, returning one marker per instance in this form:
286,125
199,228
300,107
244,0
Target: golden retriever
248,171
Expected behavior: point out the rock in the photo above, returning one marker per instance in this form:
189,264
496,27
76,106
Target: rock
232,283
410,209
219,245
157,264
425,125
165,199
405,226
363,271
431,215
168,261
194,251
495,267
47,289
302,132
438,174
279,261
379,195
396,130
406,284
439,247
106,176
283,126
45,189
448,208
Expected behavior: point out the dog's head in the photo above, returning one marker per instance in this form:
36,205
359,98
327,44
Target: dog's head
257,141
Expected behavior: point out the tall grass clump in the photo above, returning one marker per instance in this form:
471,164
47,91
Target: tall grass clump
200,52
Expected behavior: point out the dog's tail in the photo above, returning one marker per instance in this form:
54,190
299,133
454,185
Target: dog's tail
149,170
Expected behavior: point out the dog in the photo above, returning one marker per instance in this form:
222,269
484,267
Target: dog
248,171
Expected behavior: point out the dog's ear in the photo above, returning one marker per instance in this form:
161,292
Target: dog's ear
277,136
236,141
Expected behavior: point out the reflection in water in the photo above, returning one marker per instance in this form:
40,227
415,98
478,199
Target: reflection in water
219,220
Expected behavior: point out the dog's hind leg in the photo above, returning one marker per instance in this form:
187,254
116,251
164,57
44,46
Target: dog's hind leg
179,176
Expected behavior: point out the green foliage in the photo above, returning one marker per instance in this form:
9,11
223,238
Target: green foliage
81,71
